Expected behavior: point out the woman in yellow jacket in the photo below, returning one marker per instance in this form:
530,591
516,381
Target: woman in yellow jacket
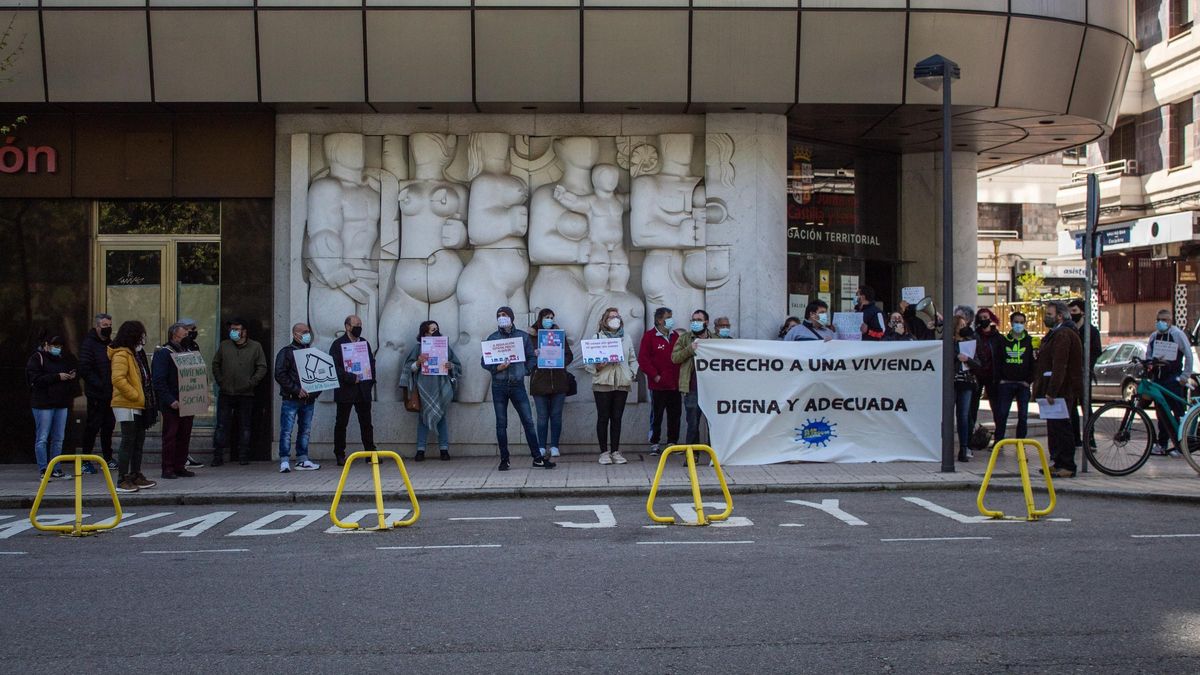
132,402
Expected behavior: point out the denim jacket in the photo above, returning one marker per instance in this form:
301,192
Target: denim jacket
516,371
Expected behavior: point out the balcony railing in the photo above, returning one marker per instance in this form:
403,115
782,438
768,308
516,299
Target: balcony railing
1119,167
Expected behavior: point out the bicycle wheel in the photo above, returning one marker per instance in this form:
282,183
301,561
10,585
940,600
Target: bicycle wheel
1120,436
1191,437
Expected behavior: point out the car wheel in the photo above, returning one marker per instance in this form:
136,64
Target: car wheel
1129,391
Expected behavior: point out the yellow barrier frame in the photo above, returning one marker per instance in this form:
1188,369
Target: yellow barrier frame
1023,463
78,529
690,451
374,455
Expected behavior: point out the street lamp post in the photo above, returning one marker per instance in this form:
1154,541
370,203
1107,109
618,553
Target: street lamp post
937,72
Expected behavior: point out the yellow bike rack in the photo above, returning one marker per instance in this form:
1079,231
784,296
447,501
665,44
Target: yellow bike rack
78,529
383,525
1023,463
690,451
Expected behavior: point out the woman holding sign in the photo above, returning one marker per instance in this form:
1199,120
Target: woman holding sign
550,382
433,368
611,382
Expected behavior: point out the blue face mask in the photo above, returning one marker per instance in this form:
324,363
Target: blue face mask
1162,326
723,332
1018,328
235,335
547,323
669,323
697,326
306,339
56,351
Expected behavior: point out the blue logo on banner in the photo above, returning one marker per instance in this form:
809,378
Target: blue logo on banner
816,433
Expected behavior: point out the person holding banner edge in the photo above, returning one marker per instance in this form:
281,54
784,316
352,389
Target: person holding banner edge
354,390
611,383
684,355
662,378
297,407
508,384
814,326
549,387
435,391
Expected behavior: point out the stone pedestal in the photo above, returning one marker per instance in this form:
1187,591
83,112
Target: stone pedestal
921,225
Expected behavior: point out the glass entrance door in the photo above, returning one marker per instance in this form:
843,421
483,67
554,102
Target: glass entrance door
133,288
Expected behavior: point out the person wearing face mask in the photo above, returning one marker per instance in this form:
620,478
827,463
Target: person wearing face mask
897,329
189,344
177,429
684,354
1172,374
238,367
297,408
549,387
133,403
724,328
662,378
814,326
1058,373
1077,308
96,372
508,384
354,391
50,373
987,348
435,391
611,383
872,326
1012,374
966,385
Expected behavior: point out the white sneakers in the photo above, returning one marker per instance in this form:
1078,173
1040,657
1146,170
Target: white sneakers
553,452
613,457
285,466
307,465
606,458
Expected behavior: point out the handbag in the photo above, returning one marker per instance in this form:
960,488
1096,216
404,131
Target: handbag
980,438
412,400
572,384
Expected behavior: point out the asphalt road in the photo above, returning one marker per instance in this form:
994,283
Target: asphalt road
886,585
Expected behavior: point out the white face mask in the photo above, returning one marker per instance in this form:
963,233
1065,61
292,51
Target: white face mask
821,318
503,321
614,323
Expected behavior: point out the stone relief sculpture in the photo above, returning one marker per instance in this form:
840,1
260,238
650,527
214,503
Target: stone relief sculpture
497,220
340,241
425,281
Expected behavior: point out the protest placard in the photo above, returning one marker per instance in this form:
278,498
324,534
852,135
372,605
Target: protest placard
193,383
315,369
437,352
912,294
602,350
356,359
496,352
848,325
551,351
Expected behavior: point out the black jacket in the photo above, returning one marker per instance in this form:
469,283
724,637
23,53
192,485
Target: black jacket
350,391
1014,359
165,375
46,388
551,381
286,375
1095,342
94,367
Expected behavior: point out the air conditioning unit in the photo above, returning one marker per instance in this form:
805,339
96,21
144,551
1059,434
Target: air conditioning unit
1023,267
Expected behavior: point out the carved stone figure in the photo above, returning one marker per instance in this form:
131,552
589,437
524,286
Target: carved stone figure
606,264
497,220
340,240
425,281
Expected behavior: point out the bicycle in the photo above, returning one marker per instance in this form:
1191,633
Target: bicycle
1120,434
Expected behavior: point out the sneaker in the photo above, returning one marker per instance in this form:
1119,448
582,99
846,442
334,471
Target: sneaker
42,474
89,469
606,457
193,464
112,463
543,463
1175,453
617,458
654,450
503,465
1159,451
554,452
307,465
57,473
285,467
126,486
142,482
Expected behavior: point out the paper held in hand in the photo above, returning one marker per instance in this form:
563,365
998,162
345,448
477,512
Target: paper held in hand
437,353
356,359
551,354
1053,411
602,350
193,383
1165,350
848,325
496,352
912,294
315,369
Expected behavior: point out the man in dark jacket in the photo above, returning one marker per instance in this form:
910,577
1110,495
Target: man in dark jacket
662,378
1078,307
238,367
297,408
1058,374
1012,372
354,391
508,384
96,372
177,429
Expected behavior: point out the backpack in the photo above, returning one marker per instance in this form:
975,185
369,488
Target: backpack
980,439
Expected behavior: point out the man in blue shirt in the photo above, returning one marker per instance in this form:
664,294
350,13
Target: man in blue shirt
508,384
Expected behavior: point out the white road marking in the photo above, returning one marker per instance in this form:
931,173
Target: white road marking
415,548
372,517
791,524
12,552
832,507
128,519
487,518
604,516
938,539
304,518
1162,536
656,527
687,513
684,543
211,550
192,527
18,526
954,515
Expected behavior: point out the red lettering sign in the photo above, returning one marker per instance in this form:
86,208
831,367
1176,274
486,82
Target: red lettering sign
13,158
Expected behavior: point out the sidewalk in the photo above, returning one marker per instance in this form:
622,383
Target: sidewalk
582,476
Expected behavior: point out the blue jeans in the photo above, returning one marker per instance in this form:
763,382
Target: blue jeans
549,415
443,433
50,425
504,391
300,415
962,413
1006,392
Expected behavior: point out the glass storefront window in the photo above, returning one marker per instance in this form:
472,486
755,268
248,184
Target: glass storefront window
159,217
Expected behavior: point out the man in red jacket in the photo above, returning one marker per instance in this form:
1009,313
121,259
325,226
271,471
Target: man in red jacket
662,377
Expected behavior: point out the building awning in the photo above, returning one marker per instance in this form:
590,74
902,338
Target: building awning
1141,233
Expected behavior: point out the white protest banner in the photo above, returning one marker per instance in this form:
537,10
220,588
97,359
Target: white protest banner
356,359
496,352
437,351
193,383
912,294
1167,350
768,401
603,350
848,325
315,369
